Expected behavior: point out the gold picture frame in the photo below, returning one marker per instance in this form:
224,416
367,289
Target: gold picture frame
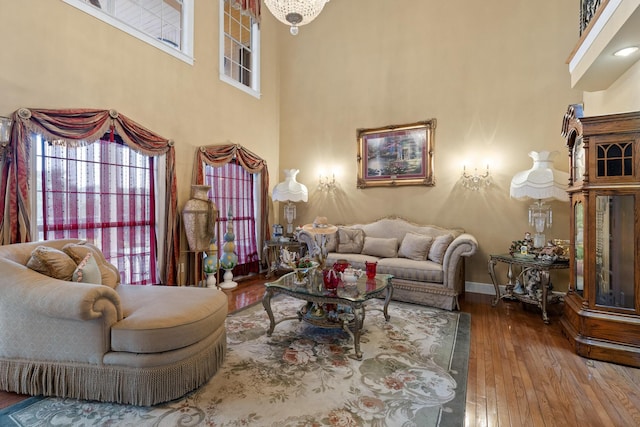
396,155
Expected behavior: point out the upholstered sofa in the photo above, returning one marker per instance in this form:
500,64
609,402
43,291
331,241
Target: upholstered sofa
426,261
111,342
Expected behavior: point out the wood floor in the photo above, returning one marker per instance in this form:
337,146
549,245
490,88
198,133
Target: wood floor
521,371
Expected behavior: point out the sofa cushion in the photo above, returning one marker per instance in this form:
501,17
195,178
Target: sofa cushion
439,247
331,242
78,251
415,246
350,240
87,271
163,318
51,262
380,247
408,269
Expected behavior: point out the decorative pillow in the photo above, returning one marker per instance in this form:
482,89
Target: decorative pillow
415,246
439,247
87,271
51,262
79,251
350,240
380,247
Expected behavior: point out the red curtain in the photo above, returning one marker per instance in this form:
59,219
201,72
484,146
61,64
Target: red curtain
66,126
218,155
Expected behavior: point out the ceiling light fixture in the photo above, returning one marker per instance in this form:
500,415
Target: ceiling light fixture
626,51
295,12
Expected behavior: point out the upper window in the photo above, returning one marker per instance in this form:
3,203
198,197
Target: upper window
239,49
166,24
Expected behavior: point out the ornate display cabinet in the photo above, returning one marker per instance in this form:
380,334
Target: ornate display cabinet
602,307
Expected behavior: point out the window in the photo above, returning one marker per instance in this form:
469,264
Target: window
103,192
234,188
239,49
166,24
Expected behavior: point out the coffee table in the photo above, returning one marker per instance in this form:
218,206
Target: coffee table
342,308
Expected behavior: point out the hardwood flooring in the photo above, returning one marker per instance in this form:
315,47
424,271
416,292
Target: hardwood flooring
521,371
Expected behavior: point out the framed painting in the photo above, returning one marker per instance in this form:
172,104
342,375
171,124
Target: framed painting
396,155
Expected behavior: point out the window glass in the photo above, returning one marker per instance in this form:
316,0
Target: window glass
167,24
104,193
239,49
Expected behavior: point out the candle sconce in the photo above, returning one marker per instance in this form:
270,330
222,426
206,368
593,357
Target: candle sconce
474,181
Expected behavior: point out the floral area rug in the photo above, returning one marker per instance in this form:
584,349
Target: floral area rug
413,373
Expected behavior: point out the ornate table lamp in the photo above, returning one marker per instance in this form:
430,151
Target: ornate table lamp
290,191
541,182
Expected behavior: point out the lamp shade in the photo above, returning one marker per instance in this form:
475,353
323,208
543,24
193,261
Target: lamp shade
290,190
542,181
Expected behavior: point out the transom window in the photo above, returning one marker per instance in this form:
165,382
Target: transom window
166,24
239,49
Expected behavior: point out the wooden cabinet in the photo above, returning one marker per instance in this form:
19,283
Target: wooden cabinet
602,307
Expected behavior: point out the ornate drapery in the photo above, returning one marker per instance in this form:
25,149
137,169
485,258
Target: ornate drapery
74,127
218,155
251,7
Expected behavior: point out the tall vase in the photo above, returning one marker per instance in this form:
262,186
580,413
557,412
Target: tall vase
199,217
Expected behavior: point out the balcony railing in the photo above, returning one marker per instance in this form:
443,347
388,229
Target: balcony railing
588,9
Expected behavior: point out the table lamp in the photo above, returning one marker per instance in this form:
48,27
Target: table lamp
290,191
541,182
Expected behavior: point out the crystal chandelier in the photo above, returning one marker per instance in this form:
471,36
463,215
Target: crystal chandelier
295,12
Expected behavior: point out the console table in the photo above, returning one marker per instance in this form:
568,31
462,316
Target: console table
531,285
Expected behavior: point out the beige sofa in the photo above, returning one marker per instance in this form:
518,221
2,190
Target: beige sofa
111,342
426,261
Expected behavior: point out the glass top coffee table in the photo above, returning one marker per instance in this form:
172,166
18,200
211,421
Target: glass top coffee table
342,308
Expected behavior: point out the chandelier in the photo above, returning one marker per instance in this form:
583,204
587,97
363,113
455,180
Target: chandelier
295,12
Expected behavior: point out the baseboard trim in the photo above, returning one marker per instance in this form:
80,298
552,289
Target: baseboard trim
482,288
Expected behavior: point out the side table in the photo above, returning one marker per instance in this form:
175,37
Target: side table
532,283
271,253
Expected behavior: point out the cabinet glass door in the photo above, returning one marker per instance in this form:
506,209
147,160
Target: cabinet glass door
578,243
615,251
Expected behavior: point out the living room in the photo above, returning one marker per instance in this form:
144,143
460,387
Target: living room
494,74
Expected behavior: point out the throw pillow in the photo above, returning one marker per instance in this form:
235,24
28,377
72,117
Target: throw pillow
331,244
350,240
439,247
78,251
87,271
415,246
51,262
380,247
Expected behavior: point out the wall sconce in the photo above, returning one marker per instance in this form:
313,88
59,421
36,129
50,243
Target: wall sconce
5,130
475,181
325,184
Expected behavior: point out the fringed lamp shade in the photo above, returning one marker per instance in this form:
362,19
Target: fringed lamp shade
290,191
541,182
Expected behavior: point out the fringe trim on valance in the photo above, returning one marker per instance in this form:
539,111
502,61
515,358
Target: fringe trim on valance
119,384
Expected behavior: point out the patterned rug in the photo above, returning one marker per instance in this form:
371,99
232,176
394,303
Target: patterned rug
413,373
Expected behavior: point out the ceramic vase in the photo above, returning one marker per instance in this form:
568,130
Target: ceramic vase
199,218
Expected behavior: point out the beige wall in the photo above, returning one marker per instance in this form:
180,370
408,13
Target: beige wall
55,56
623,95
492,73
